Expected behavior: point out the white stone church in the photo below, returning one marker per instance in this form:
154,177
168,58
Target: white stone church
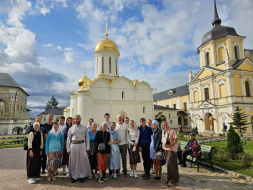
111,93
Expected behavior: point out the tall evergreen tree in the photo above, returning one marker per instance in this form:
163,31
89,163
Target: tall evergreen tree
52,103
239,120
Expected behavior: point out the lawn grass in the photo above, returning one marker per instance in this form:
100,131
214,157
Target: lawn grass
233,165
11,146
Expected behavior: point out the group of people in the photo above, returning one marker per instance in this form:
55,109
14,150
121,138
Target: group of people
91,151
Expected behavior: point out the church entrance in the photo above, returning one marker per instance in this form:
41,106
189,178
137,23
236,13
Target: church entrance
160,118
209,125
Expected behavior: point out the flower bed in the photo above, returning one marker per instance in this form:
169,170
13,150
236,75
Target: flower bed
211,139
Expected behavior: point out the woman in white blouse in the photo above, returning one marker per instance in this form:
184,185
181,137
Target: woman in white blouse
35,146
134,150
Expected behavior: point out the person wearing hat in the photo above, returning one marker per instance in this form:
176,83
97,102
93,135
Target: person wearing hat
187,150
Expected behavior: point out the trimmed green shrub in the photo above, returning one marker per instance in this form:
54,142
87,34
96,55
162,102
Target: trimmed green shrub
222,154
246,159
234,143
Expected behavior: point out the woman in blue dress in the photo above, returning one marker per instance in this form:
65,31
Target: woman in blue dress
93,155
155,146
115,153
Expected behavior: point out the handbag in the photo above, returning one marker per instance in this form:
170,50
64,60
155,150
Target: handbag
101,146
26,144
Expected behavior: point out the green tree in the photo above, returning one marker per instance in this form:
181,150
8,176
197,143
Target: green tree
234,143
52,103
239,120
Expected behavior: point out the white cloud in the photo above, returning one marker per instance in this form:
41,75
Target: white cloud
20,7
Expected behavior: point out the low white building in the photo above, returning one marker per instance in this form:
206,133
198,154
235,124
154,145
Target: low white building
14,115
57,112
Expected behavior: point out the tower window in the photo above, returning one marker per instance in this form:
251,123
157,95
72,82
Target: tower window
206,92
221,54
123,95
116,66
247,88
207,59
110,65
236,50
174,105
103,66
144,109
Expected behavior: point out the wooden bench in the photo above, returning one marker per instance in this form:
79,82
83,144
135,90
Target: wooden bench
206,154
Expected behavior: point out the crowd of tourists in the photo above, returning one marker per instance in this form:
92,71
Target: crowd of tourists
98,151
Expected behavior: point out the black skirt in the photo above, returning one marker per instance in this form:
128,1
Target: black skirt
33,164
65,156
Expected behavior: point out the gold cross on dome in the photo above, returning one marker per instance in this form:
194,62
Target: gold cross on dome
106,25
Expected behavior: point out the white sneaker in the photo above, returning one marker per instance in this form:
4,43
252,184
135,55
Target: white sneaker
152,171
132,174
64,170
135,174
67,175
35,179
31,181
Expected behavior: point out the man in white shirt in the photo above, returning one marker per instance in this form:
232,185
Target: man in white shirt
62,124
122,128
107,120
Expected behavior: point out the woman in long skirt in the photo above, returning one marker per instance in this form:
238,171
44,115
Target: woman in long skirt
115,153
134,155
54,150
35,146
169,140
93,155
103,148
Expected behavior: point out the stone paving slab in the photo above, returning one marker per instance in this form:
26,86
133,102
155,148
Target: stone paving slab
13,176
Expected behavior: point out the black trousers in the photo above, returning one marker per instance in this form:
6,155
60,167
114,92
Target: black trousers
146,157
33,164
43,160
181,155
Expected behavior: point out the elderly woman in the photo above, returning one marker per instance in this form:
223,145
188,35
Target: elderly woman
169,140
155,146
35,146
54,150
103,148
93,155
134,155
115,153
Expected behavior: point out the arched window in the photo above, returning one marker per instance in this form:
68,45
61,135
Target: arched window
207,59
123,95
206,92
221,54
110,65
247,88
103,66
144,109
236,49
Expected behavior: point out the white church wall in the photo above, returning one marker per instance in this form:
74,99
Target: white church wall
101,90
83,105
73,104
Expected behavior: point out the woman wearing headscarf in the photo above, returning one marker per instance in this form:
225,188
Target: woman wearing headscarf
155,146
115,153
92,154
35,146
65,156
169,143
103,148
134,155
54,150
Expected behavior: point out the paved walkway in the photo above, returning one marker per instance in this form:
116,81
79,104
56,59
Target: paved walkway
13,176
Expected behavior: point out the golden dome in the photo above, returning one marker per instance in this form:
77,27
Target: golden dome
107,45
84,81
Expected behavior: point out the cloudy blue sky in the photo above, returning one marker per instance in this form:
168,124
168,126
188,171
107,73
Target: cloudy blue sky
45,43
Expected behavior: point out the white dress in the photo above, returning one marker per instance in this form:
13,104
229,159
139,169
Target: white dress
79,166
